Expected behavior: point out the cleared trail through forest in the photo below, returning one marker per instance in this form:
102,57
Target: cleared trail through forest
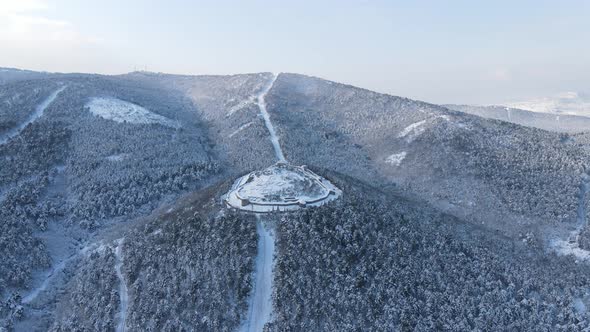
55,271
50,276
571,246
123,294
37,114
260,303
582,222
260,100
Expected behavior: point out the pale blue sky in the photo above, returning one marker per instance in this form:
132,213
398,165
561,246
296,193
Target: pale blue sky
438,51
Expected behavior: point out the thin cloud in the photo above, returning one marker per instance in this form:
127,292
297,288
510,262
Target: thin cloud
23,21
500,74
8,7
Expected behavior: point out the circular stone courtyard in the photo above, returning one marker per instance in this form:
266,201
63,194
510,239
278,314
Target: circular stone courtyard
281,187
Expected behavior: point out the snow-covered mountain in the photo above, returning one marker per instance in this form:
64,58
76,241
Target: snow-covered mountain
547,121
113,218
566,103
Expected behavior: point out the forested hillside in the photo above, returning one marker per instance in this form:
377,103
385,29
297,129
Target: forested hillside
74,172
195,277
381,264
113,216
490,171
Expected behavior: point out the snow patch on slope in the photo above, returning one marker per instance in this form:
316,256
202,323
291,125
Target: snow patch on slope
396,158
579,305
570,247
122,111
117,157
241,105
411,132
242,127
415,128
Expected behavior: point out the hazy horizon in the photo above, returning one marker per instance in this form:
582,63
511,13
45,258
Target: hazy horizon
456,52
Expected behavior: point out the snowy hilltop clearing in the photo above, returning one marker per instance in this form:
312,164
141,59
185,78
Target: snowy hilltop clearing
281,187
123,111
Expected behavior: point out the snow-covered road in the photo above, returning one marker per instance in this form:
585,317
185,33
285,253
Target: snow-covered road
123,294
37,114
260,303
260,100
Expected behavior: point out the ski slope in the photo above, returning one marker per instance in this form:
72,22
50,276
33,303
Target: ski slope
39,110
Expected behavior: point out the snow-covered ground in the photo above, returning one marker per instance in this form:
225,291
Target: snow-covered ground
281,187
241,105
242,127
122,111
37,114
572,103
414,129
260,303
56,270
117,157
123,294
580,306
273,135
396,158
570,247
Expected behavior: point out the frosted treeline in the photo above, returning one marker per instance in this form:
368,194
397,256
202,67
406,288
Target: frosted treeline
197,275
71,167
380,263
428,240
485,168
